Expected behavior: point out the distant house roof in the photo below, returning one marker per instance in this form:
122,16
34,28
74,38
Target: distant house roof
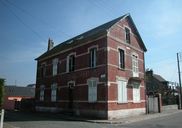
91,34
15,91
31,85
159,78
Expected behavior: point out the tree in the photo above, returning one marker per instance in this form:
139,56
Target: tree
1,91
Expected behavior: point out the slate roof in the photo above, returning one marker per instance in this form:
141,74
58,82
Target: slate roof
89,35
14,91
159,78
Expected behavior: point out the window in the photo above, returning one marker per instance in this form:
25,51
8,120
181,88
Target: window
93,57
135,65
121,59
43,70
122,92
71,84
136,92
127,35
54,92
42,88
92,90
70,63
55,67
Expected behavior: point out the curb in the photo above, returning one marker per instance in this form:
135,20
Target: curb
135,119
124,121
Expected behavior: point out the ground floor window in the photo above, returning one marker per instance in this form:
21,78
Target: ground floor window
92,90
54,92
136,92
42,88
122,91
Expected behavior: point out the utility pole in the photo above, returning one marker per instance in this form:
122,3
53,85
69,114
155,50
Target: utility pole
179,73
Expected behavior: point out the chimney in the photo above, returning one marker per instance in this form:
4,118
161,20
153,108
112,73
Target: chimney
50,44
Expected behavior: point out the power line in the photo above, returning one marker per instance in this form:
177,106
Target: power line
21,21
38,19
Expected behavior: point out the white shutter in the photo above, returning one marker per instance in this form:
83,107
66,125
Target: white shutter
54,92
92,90
136,93
89,91
119,91
67,64
122,92
94,93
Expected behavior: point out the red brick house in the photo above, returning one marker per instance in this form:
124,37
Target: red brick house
13,96
99,73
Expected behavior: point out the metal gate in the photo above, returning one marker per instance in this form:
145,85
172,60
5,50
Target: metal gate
154,104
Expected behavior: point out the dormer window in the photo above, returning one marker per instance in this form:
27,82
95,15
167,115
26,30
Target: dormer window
127,35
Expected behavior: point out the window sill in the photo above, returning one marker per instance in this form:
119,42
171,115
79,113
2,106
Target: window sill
122,69
122,102
93,67
136,102
92,102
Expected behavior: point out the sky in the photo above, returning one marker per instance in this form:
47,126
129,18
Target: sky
26,25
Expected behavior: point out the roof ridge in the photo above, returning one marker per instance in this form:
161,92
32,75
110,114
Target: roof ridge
93,31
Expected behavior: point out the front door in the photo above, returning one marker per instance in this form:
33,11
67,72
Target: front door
71,87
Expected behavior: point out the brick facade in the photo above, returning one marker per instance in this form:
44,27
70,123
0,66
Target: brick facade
106,72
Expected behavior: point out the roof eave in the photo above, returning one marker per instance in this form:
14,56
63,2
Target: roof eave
143,45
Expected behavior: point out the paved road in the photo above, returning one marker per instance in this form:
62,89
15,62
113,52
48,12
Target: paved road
34,120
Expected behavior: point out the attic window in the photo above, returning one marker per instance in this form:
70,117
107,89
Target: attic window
127,35
79,38
69,42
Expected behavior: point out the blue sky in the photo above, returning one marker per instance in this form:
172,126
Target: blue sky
25,27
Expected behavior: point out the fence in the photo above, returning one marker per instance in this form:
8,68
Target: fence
2,118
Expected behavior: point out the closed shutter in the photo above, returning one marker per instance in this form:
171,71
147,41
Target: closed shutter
54,92
92,90
89,91
136,92
122,91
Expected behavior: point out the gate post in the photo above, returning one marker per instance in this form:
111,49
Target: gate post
159,102
2,118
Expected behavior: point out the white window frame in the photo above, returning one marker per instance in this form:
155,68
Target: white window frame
135,66
122,91
92,89
67,63
71,84
55,66
128,42
42,89
120,58
93,57
136,92
54,92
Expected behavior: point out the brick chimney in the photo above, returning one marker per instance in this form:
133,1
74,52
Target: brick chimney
50,44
